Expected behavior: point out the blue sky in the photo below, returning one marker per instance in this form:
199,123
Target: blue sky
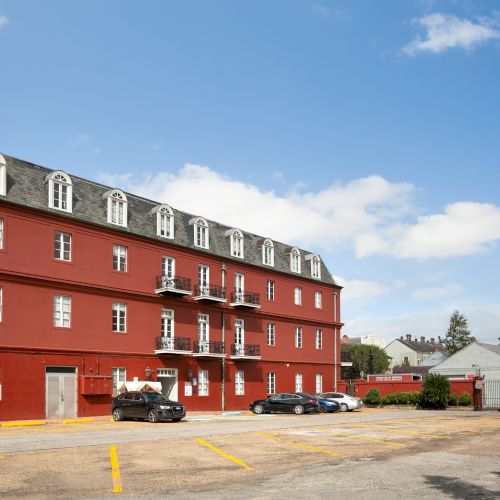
367,131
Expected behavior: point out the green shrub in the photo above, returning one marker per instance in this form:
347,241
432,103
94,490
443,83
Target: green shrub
465,399
413,397
372,397
453,400
388,399
435,392
402,398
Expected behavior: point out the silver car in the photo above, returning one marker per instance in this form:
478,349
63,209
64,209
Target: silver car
346,402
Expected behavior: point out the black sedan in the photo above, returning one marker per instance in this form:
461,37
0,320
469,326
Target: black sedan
151,405
285,403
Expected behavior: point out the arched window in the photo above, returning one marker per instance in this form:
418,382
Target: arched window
268,252
201,235
60,191
3,176
295,260
164,221
116,207
236,242
315,265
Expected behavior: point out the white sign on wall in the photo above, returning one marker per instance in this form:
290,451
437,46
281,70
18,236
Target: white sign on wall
188,389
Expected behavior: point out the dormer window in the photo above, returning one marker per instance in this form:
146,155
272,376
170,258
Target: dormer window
117,207
3,176
268,252
236,242
295,260
60,191
164,221
315,265
201,235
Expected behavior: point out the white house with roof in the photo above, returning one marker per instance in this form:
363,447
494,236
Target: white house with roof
405,351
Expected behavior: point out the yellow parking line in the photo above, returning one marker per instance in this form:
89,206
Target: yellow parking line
306,446
363,438
79,421
224,454
115,471
22,424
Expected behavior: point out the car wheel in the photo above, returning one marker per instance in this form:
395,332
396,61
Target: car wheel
117,414
258,409
343,407
323,408
298,409
153,416
176,419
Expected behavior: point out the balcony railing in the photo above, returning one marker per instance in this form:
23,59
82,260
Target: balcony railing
178,285
173,344
208,347
210,292
247,299
345,356
245,350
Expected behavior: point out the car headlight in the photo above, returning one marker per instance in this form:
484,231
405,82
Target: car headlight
165,407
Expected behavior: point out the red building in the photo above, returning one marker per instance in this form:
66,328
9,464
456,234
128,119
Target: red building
98,287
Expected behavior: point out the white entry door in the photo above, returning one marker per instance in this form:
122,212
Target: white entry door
60,392
168,378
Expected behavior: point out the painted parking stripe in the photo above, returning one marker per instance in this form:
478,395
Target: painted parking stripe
400,431
23,424
224,454
78,421
363,438
302,445
115,470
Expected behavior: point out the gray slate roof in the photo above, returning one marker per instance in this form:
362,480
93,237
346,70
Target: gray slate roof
423,346
490,347
26,186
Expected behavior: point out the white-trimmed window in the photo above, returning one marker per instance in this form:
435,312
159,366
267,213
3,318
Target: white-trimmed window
201,234
167,323
319,339
271,383
119,258
3,183
164,221
236,242
335,307
239,286
319,383
1,304
203,331
270,290
116,207
297,296
271,334
315,265
318,300
62,311
1,233
295,260
60,191
239,332
62,246
204,279
168,266
268,252
298,382
298,336
119,317
119,377
202,382
239,382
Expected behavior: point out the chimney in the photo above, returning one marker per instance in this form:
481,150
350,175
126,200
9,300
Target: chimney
422,340
408,337
433,341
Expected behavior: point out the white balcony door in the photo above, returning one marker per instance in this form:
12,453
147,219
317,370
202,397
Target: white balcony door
239,336
239,286
203,279
203,332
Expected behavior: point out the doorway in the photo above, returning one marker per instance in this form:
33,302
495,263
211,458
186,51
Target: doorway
168,378
60,392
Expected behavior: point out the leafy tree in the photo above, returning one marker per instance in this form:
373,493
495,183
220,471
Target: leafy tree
435,392
458,335
366,359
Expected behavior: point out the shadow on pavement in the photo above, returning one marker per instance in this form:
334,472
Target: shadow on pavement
457,488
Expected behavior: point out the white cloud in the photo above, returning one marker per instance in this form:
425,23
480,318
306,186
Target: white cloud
445,31
4,20
437,293
358,289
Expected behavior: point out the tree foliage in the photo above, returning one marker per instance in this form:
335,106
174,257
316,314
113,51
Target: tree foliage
458,335
366,359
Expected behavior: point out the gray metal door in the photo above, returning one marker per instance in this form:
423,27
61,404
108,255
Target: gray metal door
60,392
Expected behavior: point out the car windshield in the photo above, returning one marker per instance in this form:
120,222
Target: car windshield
307,395
155,396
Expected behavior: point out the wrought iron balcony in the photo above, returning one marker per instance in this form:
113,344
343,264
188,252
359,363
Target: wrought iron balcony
248,351
345,358
174,345
245,299
177,285
210,292
210,348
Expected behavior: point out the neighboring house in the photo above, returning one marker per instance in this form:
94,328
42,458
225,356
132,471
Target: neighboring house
405,351
364,339
434,359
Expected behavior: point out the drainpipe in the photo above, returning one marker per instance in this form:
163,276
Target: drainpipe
223,331
335,364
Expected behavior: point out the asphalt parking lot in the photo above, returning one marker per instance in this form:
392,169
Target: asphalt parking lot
372,453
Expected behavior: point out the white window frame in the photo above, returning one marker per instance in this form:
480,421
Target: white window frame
268,252
271,334
168,266
270,290
167,323
295,263
239,286
239,383
236,243
298,337
1,233
239,332
297,296
203,331
165,221
119,317
63,241
271,382
319,339
119,258
116,207
1,304
201,233
62,311
119,377
202,382
299,387
60,191
3,180
315,265
318,299
319,383
204,279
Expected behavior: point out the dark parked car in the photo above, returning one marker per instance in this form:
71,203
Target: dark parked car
286,403
151,405
324,405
